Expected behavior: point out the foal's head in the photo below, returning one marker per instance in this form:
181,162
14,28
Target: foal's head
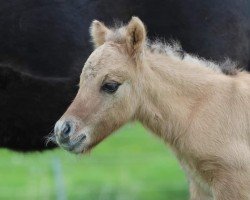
109,89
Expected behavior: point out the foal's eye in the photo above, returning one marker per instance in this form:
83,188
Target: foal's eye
110,87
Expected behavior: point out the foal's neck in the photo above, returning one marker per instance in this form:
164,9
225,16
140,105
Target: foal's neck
174,91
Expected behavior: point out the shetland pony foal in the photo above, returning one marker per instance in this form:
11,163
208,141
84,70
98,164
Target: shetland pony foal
203,114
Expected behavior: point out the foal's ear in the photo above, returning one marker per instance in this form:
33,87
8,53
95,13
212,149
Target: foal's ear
98,32
136,35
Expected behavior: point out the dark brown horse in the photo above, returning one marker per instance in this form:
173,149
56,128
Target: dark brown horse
44,44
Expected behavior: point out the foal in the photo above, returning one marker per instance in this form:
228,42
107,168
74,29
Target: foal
203,114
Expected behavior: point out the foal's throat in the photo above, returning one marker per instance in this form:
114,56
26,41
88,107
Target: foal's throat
174,89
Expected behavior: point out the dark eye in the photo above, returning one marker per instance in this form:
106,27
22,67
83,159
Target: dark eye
110,87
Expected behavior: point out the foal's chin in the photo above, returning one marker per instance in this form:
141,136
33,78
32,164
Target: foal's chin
80,146
76,143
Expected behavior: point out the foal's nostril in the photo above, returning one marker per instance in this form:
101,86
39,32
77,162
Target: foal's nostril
62,130
66,129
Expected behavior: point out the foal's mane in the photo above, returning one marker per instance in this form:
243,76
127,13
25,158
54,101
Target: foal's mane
174,49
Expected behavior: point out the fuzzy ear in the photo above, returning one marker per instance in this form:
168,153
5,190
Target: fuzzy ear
98,32
136,35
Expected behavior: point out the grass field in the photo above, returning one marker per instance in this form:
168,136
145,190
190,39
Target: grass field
129,165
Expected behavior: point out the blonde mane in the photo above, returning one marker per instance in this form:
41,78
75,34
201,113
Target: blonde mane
174,49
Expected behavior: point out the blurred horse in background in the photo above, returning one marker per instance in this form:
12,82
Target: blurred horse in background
44,44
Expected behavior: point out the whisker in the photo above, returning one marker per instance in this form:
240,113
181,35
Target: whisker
50,138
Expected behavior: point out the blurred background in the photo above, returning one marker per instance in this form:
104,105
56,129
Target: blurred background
43,46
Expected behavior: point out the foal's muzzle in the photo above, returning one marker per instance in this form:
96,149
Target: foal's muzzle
65,133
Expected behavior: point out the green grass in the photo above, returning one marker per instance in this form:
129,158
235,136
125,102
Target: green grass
130,165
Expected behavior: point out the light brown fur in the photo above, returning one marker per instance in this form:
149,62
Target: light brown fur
203,114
